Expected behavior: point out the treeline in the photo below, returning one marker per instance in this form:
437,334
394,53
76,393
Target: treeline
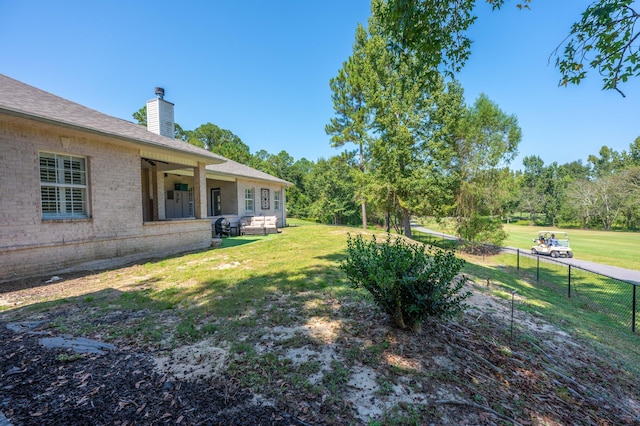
603,193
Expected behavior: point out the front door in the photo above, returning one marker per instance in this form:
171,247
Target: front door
179,204
216,202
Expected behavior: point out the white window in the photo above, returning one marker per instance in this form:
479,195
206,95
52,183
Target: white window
276,201
63,186
249,199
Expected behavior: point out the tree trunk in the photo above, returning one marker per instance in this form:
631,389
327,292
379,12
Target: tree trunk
364,215
406,222
397,317
364,205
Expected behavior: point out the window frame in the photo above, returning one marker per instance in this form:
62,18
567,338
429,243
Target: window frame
277,201
64,186
249,199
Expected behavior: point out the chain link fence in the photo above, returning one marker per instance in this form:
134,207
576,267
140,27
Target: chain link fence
615,300
594,293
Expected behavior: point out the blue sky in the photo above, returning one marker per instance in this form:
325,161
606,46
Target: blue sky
262,69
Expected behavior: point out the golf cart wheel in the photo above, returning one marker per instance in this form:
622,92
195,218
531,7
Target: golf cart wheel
570,254
554,254
534,251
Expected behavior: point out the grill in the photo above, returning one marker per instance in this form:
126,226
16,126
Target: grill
222,227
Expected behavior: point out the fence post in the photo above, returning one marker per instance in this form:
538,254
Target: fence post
517,259
569,284
538,269
633,312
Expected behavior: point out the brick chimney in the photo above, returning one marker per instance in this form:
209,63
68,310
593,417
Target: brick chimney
160,115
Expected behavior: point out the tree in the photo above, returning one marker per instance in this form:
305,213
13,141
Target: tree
141,117
604,39
582,197
574,170
603,199
413,148
432,31
280,165
607,164
552,188
570,173
505,190
487,140
331,186
352,122
632,158
298,200
611,195
532,198
221,141
630,179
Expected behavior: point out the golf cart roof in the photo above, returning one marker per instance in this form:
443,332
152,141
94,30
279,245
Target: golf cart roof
557,233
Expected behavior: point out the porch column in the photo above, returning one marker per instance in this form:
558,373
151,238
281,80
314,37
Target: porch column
159,195
153,183
200,191
284,206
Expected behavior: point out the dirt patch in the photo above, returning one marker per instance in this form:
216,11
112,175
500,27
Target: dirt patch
202,359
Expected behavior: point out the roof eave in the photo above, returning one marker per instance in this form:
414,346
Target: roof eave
28,116
275,180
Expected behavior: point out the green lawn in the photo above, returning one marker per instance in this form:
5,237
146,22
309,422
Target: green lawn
254,287
613,248
620,249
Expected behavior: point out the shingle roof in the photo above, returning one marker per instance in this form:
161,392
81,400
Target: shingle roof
17,98
232,168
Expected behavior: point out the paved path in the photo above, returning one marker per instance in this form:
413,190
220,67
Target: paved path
437,234
629,275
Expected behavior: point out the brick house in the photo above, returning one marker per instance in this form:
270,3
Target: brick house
81,189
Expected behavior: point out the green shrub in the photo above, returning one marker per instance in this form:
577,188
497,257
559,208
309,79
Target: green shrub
481,229
406,281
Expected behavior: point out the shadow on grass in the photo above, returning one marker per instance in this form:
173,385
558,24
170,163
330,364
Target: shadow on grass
239,241
434,240
334,257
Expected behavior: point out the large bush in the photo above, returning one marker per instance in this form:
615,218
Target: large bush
405,280
481,229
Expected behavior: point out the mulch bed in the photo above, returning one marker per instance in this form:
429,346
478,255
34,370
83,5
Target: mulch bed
42,386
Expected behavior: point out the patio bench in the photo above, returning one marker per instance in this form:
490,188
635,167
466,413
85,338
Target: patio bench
258,225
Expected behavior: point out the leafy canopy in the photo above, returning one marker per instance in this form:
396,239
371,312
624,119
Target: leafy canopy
605,39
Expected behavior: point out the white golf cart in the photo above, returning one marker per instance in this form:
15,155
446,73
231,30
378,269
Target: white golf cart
552,243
